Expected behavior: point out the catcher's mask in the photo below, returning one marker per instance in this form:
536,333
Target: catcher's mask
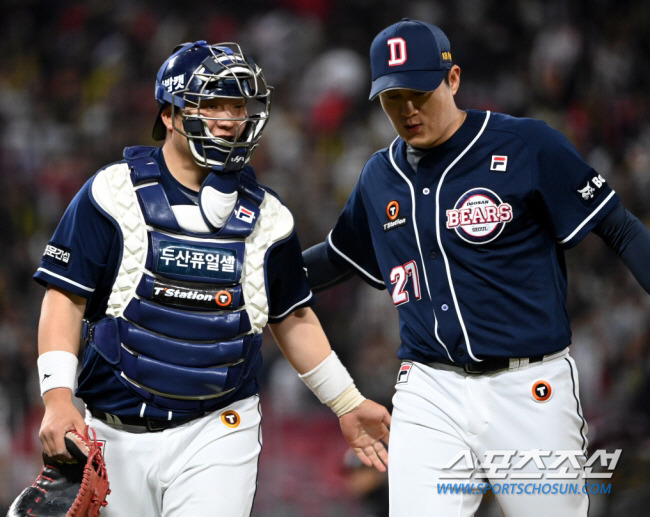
198,72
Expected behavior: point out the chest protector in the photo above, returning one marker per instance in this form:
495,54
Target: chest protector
184,320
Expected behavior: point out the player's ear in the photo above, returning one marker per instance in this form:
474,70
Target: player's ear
453,78
166,116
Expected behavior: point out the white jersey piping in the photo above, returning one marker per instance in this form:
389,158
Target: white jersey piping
439,238
581,225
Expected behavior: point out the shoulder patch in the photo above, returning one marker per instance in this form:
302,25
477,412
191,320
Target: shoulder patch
57,254
590,190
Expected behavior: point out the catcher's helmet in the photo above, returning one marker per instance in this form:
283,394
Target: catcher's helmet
197,72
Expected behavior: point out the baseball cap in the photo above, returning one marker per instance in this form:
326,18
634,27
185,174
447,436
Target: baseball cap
409,54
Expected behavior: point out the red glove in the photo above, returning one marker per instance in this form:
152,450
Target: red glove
67,489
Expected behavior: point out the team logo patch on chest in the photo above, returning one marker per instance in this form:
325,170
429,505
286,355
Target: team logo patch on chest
479,216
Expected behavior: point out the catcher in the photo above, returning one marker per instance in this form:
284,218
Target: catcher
170,263
67,488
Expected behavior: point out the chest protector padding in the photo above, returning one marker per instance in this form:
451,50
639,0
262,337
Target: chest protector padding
184,319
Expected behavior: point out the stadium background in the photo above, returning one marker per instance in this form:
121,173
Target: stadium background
76,86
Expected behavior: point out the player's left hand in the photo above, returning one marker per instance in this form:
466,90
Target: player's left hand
366,429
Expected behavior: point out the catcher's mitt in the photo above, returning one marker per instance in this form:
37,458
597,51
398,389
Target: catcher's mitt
67,489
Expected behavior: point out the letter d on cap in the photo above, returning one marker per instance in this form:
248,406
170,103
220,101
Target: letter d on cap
397,51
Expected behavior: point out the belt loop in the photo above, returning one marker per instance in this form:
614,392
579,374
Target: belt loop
111,419
85,330
556,355
518,363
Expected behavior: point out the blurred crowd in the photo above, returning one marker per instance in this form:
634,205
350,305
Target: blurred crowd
76,87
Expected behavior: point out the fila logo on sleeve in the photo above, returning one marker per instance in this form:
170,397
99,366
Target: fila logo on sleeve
398,54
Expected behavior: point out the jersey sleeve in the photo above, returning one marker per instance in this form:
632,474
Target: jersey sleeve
286,278
350,240
75,258
575,196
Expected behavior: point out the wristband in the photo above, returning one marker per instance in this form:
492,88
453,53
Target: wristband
57,369
350,399
333,385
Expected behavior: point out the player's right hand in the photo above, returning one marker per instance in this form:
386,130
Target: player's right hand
60,416
367,430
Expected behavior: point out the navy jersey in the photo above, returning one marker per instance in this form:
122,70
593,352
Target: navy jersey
471,244
83,258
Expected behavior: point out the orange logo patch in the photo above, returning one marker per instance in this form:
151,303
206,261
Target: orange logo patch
230,418
223,298
392,210
542,391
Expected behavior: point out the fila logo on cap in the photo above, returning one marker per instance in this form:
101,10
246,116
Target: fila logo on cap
398,53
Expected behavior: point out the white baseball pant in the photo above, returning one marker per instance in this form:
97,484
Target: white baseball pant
205,467
444,416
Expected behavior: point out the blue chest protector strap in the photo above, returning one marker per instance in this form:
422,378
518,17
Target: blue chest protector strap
146,174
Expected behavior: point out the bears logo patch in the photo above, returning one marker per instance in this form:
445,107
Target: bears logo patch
479,216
